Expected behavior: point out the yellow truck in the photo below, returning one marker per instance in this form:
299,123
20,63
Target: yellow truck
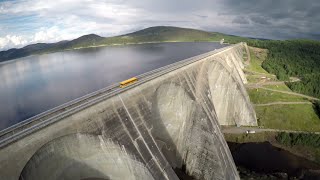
128,81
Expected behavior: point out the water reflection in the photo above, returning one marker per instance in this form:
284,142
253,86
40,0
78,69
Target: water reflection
34,84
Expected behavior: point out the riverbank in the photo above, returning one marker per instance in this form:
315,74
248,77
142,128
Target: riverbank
266,159
262,156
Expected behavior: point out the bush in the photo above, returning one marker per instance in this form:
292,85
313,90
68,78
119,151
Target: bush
304,139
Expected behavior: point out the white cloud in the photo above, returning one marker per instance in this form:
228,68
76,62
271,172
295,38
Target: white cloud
10,41
52,34
51,21
68,19
45,35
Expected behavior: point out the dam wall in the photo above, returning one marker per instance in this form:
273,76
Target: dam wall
153,129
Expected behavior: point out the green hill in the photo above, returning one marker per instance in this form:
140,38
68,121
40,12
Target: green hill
299,58
165,33
152,34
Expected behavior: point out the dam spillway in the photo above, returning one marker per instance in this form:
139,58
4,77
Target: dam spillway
168,120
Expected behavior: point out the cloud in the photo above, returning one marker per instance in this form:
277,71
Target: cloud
44,35
240,20
49,21
260,20
201,16
12,41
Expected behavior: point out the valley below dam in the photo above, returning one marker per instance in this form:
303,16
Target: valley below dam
37,83
263,160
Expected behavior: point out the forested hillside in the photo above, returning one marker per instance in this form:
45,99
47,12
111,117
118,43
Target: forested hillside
297,58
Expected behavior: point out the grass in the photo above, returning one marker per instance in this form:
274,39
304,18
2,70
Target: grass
257,57
245,138
281,87
300,117
262,96
290,117
305,139
255,78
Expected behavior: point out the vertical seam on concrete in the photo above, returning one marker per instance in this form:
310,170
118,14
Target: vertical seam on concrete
153,140
215,124
241,88
130,136
137,129
211,117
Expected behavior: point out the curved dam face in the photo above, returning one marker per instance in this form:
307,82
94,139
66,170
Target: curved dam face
146,132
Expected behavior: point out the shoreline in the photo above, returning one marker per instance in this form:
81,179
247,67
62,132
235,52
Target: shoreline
104,45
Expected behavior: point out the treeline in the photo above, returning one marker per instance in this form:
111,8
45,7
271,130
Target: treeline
291,58
309,84
298,58
303,139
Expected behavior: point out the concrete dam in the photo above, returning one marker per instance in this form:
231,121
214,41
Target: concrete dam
165,123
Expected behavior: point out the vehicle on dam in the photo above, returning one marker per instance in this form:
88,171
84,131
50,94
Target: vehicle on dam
128,82
250,131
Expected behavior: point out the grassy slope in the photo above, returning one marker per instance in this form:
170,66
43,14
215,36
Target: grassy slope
163,34
257,58
294,117
262,96
254,78
298,58
291,117
281,87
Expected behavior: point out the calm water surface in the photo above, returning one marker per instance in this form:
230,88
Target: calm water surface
38,83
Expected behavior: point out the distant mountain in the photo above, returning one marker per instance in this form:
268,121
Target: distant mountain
27,50
85,41
152,34
165,33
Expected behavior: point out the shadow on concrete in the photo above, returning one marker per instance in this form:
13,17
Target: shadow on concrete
73,170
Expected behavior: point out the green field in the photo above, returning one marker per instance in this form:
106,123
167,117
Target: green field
262,96
281,87
244,138
300,117
291,117
255,78
256,61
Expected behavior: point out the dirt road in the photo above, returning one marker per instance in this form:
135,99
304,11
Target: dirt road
281,103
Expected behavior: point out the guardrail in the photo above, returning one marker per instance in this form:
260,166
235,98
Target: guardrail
48,117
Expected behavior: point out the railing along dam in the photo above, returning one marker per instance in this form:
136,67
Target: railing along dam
168,120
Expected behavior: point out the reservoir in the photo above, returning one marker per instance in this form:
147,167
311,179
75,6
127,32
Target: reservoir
37,83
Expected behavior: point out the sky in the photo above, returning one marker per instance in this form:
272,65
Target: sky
24,22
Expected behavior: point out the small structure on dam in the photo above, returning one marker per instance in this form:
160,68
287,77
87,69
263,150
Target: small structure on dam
145,131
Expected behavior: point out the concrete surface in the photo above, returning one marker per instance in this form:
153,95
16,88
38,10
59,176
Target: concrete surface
172,121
